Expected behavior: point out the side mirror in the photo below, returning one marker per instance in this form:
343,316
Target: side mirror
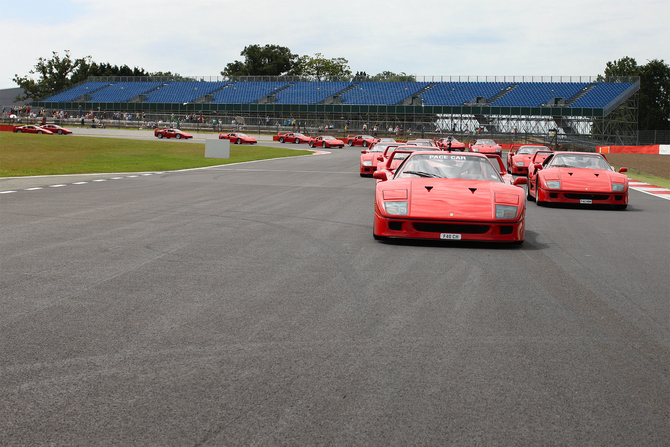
622,170
363,152
380,175
520,181
380,158
537,166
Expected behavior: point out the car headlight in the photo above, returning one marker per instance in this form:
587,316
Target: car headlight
396,208
519,163
505,212
367,163
474,149
498,151
554,184
618,187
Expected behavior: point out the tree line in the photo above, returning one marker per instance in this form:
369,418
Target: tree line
60,73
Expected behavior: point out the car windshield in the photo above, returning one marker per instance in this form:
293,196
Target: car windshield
239,135
586,161
486,143
449,166
530,149
367,137
298,135
379,147
329,138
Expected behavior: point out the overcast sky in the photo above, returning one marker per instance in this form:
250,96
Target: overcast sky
425,38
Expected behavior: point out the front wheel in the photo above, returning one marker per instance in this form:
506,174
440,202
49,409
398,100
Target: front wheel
239,141
178,136
60,132
297,141
365,144
39,132
528,196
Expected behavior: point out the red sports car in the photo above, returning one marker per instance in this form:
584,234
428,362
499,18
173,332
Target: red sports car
238,138
393,156
578,177
486,147
518,160
447,196
360,140
291,138
56,129
450,143
370,157
537,160
172,133
326,141
32,129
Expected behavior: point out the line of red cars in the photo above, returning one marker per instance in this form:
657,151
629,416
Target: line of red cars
46,129
442,193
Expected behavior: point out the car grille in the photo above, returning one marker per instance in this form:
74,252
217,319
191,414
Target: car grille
451,228
587,196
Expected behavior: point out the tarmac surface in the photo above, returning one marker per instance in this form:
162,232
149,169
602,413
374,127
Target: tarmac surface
249,304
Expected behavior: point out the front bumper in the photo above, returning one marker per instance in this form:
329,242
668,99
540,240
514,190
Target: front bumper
492,231
583,197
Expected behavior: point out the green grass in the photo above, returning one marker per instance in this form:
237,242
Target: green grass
647,178
28,154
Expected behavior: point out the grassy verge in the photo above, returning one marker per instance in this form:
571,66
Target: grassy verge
27,154
647,178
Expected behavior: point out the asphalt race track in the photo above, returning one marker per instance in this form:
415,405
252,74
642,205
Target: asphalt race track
249,305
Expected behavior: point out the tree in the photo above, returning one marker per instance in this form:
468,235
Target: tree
54,75
320,68
269,60
390,76
654,107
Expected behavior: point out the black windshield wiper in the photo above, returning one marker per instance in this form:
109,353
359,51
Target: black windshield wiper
422,174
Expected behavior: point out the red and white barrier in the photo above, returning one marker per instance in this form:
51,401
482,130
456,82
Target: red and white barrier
663,149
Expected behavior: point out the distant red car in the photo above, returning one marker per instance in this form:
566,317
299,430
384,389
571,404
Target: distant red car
56,129
32,129
448,196
238,138
518,160
291,137
450,143
578,177
486,147
326,141
369,157
172,133
360,140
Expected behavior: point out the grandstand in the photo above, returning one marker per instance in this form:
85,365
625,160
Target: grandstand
569,108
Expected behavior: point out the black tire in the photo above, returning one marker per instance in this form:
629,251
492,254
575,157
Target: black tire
281,139
297,141
528,196
39,132
239,141
311,144
19,131
365,144
178,136
159,135
60,132
351,143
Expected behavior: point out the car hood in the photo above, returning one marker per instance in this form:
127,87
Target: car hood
582,179
451,199
525,158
